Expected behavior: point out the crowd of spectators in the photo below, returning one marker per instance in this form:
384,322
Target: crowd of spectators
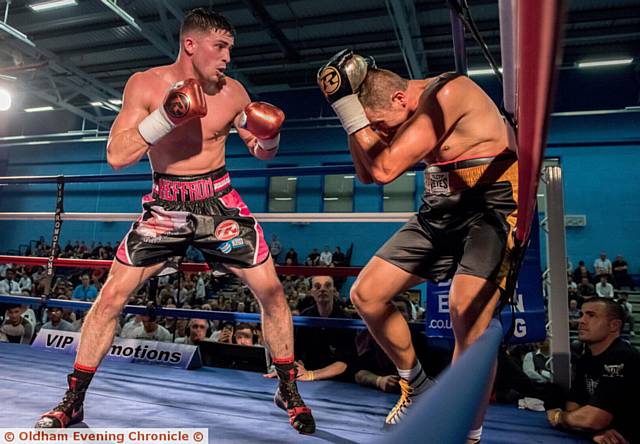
605,279
331,353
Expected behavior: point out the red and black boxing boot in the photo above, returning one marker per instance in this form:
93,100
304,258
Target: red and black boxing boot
70,410
288,398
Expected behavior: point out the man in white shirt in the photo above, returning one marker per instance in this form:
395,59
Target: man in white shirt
25,282
536,364
9,285
151,330
603,288
326,257
602,265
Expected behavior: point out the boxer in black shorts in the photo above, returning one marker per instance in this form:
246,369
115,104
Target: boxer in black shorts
203,211
463,229
180,116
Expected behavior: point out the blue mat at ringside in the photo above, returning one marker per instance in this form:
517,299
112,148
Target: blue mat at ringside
236,406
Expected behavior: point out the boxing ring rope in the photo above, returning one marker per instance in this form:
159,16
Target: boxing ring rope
262,217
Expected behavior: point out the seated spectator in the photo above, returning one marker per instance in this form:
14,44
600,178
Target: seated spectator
56,322
9,285
291,257
275,248
130,326
313,258
623,300
181,329
338,258
602,265
289,283
572,288
581,272
85,291
586,289
151,330
603,288
4,268
326,258
621,277
197,329
225,333
606,388
375,367
244,335
574,314
324,353
16,328
187,292
24,283
536,363
201,289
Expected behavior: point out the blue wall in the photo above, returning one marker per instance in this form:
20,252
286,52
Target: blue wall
599,156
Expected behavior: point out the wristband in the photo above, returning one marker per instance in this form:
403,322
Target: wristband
155,126
269,144
351,113
312,375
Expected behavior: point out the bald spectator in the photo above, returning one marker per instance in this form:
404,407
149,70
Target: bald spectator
602,265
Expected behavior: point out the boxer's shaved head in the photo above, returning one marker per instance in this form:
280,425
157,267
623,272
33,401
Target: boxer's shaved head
379,86
203,19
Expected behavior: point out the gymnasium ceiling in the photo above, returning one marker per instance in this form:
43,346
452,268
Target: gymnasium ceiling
84,54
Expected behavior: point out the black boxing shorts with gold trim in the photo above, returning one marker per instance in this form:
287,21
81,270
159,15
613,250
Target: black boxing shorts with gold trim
465,223
202,211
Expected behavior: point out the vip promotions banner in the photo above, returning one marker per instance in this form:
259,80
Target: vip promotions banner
128,350
530,317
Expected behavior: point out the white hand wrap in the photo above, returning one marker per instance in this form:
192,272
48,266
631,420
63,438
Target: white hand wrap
155,126
269,144
351,113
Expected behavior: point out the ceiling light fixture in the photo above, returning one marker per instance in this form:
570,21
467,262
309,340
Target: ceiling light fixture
38,109
15,33
596,63
53,4
481,72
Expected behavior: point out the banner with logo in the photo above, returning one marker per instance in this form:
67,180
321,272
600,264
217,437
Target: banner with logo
530,313
127,350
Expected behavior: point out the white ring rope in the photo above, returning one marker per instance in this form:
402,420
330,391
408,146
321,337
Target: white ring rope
262,217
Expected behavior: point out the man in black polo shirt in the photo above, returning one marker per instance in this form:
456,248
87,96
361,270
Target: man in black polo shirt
604,395
324,353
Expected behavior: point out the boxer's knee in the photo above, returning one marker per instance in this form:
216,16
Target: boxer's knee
365,299
271,294
109,303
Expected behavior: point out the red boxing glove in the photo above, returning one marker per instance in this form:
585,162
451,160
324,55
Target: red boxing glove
184,101
264,121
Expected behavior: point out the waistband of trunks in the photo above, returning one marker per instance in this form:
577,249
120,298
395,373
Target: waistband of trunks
192,188
466,163
487,170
